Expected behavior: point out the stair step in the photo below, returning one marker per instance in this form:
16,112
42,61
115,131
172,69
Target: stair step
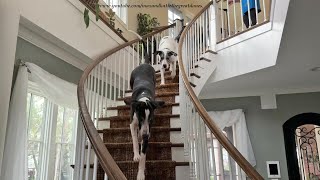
153,129
127,107
155,170
205,59
123,118
193,85
160,87
158,134
210,51
161,94
195,75
129,145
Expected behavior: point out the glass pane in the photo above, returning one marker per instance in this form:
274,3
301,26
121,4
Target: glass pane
63,160
33,160
69,126
37,115
59,124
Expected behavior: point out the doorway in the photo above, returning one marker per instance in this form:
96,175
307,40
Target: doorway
302,143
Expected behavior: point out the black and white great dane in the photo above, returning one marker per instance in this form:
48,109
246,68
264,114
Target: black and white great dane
167,51
142,106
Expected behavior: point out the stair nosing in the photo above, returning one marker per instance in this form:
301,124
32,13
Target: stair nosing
124,107
127,116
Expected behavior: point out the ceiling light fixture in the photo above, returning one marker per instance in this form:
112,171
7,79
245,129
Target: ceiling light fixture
315,69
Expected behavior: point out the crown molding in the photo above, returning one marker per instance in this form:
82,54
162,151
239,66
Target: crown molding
51,44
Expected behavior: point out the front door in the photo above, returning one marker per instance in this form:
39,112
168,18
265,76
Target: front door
302,142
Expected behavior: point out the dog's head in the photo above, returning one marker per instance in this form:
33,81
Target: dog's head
144,108
166,56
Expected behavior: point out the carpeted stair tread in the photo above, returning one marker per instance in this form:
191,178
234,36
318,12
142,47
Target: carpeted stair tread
158,95
167,85
123,134
127,107
151,144
127,117
153,129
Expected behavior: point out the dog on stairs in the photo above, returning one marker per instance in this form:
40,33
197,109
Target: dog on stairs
167,51
142,106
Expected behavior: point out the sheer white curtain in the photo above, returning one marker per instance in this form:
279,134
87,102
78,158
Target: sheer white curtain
55,89
15,153
236,117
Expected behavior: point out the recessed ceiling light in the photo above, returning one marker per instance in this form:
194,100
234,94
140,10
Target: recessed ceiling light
315,69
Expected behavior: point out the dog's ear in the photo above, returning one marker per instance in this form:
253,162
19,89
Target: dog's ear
157,104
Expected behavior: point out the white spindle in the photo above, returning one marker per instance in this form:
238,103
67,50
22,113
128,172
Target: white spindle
152,50
114,59
256,7
235,17
111,80
118,61
249,15
124,71
130,60
264,10
222,20
213,160
228,19
241,14
220,156
83,144
96,111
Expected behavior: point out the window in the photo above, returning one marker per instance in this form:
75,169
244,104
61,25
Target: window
223,166
51,138
173,14
115,5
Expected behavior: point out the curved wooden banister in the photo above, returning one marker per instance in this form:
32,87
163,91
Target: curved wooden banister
234,153
106,161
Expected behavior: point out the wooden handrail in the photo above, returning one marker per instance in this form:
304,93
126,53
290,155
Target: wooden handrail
107,162
234,153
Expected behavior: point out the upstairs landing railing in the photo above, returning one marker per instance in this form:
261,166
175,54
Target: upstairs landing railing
101,84
211,154
233,17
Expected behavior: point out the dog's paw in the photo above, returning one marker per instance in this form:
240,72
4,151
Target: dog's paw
141,175
136,157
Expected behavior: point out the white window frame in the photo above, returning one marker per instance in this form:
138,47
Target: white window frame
176,14
121,12
48,136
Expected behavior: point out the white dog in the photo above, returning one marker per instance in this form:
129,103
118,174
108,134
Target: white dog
168,56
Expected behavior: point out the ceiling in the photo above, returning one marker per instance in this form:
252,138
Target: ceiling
299,52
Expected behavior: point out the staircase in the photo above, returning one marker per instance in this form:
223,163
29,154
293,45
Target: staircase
103,87
165,143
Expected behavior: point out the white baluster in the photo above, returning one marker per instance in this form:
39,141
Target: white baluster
256,7
222,21
249,13
264,10
213,160
241,15
228,19
235,17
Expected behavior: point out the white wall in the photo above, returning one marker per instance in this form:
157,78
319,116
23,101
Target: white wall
253,50
9,20
64,20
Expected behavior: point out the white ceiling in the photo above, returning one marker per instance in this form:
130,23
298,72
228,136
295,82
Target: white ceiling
299,52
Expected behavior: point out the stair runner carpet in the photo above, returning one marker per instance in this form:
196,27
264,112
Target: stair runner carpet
159,165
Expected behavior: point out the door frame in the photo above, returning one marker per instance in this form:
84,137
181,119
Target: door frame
289,128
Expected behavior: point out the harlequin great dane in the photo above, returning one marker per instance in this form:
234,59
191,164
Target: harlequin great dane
142,106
